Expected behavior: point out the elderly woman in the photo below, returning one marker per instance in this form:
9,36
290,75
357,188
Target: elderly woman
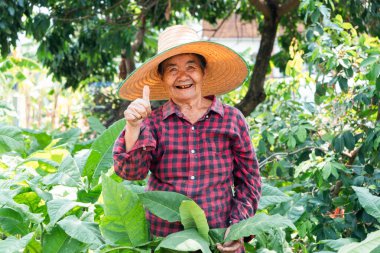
193,144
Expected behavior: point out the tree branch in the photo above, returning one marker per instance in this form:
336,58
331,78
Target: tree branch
288,6
262,7
289,153
140,35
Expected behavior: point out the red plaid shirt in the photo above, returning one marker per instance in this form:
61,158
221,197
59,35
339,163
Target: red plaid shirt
203,160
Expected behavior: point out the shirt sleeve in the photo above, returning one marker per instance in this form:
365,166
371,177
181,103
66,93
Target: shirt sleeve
247,180
135,164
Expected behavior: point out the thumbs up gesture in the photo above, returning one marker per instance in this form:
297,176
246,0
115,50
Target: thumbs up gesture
139,109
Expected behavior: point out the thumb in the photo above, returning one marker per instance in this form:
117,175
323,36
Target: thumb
146,93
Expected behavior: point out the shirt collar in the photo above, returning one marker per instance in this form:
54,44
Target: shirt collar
170,107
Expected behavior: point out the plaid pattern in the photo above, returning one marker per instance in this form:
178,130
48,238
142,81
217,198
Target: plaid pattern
204,161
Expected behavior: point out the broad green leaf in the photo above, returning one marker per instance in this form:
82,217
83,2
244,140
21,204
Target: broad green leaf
337,244
46,165
271,196
68,138
40,139
192,216
371,242
343,83
163,204
187,240
338,144
30,199
12,244
12,222
34,246
124,219
81,158
301,134
100,159
83,231
217,235
349,140
6,200
11,139
369,202
326,170
57,241
291,141
368,61
258,224
68,174
57,208
96,125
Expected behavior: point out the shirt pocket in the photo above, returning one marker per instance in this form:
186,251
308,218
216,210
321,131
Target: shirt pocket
216,153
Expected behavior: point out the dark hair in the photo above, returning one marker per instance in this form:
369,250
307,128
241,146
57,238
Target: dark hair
201,59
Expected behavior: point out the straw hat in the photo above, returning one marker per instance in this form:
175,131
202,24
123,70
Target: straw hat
226,70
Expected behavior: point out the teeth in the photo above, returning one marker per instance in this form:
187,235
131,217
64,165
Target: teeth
184,86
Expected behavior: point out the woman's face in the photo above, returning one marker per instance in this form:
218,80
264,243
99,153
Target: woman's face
183,78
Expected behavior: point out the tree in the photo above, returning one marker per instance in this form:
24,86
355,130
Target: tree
79,41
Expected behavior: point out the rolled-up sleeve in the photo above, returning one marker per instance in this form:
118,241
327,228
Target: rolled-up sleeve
135,164
247,180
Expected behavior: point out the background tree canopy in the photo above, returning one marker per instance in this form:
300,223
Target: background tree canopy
80,40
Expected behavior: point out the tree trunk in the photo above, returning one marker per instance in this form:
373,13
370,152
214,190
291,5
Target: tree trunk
272,10
256,93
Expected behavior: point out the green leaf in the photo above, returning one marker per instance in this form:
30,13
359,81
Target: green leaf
68,174
217,235
271,196
301,134
192,216
57,208
12,244
338,144
11,139
369,202
291,141
6,199
96,125
326,170
100,159
12,222
124,219
83,231
349,140
68,138
163,204
57,241
343,84
371,242
368,61
187,240
337,244
260,223
374,73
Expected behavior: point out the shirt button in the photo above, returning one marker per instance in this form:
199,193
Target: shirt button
144,148
206,116
192,177
193,151
192,128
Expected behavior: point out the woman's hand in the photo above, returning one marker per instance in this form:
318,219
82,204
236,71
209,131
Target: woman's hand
230,247
138,110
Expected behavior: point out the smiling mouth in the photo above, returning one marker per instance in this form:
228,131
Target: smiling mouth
184,86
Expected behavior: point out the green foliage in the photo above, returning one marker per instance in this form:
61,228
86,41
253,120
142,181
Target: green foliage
164,204
192,216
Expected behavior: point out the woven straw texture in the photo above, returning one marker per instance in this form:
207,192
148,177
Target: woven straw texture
225,69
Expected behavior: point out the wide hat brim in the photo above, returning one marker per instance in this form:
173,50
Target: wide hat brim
225,71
